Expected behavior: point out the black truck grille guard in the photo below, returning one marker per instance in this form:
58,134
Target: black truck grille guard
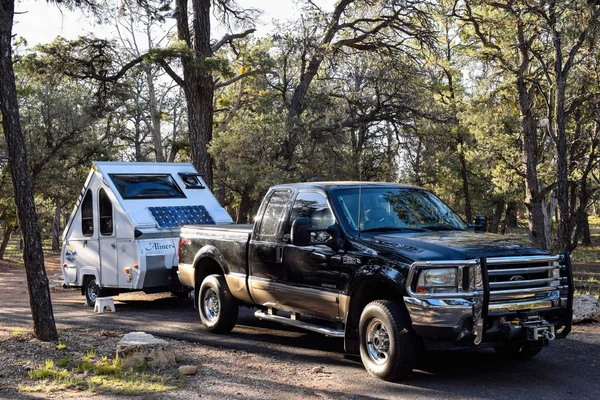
495,282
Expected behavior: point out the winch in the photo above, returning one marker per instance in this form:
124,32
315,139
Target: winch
535,329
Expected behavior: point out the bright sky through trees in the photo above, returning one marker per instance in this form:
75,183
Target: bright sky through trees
41,22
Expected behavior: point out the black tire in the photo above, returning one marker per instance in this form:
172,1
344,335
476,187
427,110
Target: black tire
217,307
523,351
91,290
388,344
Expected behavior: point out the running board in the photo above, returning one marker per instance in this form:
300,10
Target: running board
299,324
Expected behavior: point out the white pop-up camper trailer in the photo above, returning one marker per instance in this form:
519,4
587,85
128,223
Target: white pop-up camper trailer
123,234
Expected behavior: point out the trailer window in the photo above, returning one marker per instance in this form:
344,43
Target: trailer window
138,187
106,214
87,215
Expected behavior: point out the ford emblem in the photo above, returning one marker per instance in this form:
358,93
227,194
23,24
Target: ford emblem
517,278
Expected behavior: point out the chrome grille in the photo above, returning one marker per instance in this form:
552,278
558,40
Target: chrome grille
522,277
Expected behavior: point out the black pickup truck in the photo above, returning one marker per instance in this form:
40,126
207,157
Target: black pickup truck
388,267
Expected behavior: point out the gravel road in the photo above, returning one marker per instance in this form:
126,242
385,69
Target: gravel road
265,360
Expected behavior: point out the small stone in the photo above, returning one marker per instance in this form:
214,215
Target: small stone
139,348
188,370
316,370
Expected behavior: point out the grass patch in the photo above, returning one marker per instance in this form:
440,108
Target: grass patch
15,332
103,375
61,345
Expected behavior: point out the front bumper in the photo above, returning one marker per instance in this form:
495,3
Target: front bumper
482,314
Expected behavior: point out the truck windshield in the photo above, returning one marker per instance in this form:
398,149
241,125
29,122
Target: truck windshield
138,187
394,209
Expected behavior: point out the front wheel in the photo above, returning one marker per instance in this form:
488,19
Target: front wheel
217,306
518,351
388,344
91,291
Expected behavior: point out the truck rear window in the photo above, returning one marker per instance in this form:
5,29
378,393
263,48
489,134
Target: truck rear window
142,186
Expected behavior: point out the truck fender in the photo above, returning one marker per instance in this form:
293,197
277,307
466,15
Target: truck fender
207,261
370,283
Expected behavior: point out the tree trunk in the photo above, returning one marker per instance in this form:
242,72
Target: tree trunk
244,209
44,327
154,116
56,227
497,216
534,200
510,219
585,228
464,173
5,239
198,85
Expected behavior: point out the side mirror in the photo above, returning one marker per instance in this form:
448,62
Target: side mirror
480,224
301,231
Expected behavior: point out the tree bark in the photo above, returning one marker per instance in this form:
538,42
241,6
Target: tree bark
154,115
495,223
56,227
44,327
585,229
5,239
198,84
244,209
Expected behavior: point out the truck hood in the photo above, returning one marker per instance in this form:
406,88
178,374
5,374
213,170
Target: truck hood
450,245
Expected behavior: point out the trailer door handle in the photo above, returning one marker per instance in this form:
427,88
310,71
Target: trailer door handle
114,246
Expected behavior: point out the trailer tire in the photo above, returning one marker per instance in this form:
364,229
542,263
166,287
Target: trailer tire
388,344
91,290
217,307
518,351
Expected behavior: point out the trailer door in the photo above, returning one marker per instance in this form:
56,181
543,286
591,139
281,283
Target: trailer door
108,241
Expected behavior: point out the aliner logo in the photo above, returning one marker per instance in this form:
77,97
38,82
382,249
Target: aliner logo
159,246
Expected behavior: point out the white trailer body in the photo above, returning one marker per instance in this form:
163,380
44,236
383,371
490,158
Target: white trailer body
123,234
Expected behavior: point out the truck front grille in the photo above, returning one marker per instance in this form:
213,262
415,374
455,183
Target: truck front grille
523,277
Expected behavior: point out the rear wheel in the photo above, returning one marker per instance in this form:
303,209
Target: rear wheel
388,344
521,351
91,291
217,307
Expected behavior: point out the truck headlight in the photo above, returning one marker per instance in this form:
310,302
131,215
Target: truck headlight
438,280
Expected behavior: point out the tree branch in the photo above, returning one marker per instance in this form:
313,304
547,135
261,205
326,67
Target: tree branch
231,37
170,72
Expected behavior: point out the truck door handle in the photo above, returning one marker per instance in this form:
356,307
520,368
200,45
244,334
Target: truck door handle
279,254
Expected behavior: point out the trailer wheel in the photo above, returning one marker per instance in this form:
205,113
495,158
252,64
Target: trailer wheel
91,291
523,351
388,344
217,307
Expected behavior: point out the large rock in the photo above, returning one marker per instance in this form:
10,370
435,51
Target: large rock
585,308
138,349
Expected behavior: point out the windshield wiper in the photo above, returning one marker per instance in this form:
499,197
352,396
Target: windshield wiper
391,229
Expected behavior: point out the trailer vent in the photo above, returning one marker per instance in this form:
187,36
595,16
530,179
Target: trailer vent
157,273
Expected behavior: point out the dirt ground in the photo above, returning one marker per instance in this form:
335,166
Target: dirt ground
222,372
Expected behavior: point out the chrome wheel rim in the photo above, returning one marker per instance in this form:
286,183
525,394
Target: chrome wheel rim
378,341
92,290
211,305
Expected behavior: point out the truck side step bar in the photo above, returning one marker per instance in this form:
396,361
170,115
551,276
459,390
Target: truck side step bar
299,324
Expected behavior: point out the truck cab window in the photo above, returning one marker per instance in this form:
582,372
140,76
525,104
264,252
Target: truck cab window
87,215
314,206
106,214
273,213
